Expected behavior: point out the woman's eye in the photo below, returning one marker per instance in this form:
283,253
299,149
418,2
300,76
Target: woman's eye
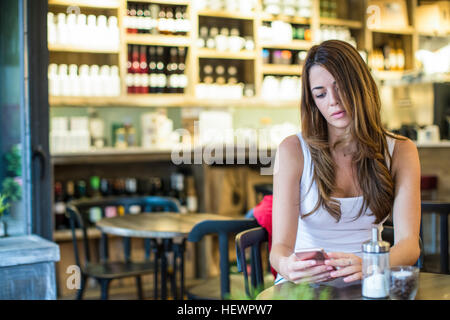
320,95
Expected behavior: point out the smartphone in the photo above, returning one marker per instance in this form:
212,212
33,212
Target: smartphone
317,254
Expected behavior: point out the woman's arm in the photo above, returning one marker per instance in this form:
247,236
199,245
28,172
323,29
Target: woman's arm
406,210
285,212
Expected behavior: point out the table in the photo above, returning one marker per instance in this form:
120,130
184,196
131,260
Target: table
159,225
432,286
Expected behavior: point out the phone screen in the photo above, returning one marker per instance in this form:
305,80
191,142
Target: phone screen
314,254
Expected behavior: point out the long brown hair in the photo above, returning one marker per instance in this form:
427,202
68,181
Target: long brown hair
359,96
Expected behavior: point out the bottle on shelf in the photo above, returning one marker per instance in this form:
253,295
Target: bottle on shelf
131,186
160,69
94,187
232,74
400,56
177,189
60,207
203,37
105,187
220,74
154,13
143,70
130,21
153,77
80,189
172,72
179,21
162,21
170,21
191,195
147,20
208,71
140,22
182,77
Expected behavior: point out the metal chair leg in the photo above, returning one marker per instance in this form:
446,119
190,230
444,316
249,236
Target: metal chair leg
82,287
140,292
104,286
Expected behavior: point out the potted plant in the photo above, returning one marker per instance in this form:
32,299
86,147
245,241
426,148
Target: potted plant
4,205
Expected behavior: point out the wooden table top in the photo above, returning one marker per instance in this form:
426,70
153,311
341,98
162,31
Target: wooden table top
155,224
432,286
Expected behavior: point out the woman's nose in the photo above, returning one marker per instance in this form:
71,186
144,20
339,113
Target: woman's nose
334,98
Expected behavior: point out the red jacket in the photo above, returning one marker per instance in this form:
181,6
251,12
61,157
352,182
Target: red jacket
263,214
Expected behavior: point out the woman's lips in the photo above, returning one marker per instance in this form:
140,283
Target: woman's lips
338,115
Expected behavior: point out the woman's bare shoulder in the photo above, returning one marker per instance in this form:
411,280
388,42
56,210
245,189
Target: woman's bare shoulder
403,146
405,153
290,153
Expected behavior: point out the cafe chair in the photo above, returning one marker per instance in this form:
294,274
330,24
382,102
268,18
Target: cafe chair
254,239
105,271
443,209
218,288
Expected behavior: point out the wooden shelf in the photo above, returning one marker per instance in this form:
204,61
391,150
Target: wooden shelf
102,4
214,54
293,45
157,40
295,20
165,100
68,48
352,24
226,14
433,34
405,31
166,2
282,69
132,100
390,75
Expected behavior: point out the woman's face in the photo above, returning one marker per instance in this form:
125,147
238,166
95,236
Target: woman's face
326,96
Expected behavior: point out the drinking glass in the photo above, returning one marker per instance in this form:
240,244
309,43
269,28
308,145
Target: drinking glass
404,282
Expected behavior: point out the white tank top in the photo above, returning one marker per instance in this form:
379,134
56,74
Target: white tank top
320,229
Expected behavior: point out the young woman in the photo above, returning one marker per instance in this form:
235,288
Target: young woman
343,174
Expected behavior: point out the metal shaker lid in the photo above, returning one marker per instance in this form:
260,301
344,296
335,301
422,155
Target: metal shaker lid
376,244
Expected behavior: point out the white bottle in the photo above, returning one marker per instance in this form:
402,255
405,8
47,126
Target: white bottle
64,80
113,31
103,37
92,34
81,32
105,81
85,81
61,30
51,28
74,81
94,73
115,80
53,80
71,24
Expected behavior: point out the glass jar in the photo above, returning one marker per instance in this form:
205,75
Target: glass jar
375,267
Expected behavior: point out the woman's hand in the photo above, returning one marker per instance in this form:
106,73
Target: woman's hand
348,265
297,271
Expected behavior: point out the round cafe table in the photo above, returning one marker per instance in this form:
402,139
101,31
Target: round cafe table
158,225
432,286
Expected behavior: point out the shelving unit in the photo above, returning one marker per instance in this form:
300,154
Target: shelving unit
350,14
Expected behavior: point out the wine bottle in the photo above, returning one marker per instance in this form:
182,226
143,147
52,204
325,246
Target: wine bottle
160,67
172,71
153,75
143,70
182,78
